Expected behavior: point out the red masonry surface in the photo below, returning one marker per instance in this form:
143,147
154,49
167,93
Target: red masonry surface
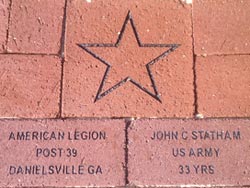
223,86
87,85
100,22
35,26
210,152
221,26
29,86
4,13
69,153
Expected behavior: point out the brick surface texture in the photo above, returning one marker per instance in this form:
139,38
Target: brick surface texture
35,26
221,27
81,85
98,145
174,151
132,69
29,85
4,14
225,83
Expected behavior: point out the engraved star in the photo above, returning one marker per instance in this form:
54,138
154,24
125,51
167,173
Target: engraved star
121,67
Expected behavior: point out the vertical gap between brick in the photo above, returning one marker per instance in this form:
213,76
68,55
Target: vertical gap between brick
61,90
7,33
194,68
126,158
63,35
62,55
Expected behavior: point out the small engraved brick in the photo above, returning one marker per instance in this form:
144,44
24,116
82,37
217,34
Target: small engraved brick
189,152
62,153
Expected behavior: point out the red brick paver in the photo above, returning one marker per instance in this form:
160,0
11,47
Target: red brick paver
187,152
4,14
29,86
101,22
106,63
35,26
223,86
222,26
71,153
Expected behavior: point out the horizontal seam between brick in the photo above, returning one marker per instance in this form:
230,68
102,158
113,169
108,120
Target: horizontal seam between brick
125,118
31,54
222,55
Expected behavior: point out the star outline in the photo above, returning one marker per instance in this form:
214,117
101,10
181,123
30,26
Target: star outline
100,93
